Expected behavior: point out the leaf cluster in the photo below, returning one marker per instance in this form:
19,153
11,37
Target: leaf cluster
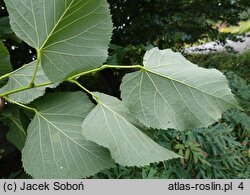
75,134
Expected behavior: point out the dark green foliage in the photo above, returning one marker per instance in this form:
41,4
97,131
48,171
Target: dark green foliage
240,88
238,63
169,23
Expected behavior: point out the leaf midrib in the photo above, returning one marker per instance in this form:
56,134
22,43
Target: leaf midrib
54,28
40,114
185,84
126,121
19,126
156,146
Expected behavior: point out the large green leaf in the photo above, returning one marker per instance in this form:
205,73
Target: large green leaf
109,125
21,78
72,35
5,66
171,92
55,146
5,26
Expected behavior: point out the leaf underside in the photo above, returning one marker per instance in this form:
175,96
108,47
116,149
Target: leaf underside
109,125
72,35
55,146
22,78
171,92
